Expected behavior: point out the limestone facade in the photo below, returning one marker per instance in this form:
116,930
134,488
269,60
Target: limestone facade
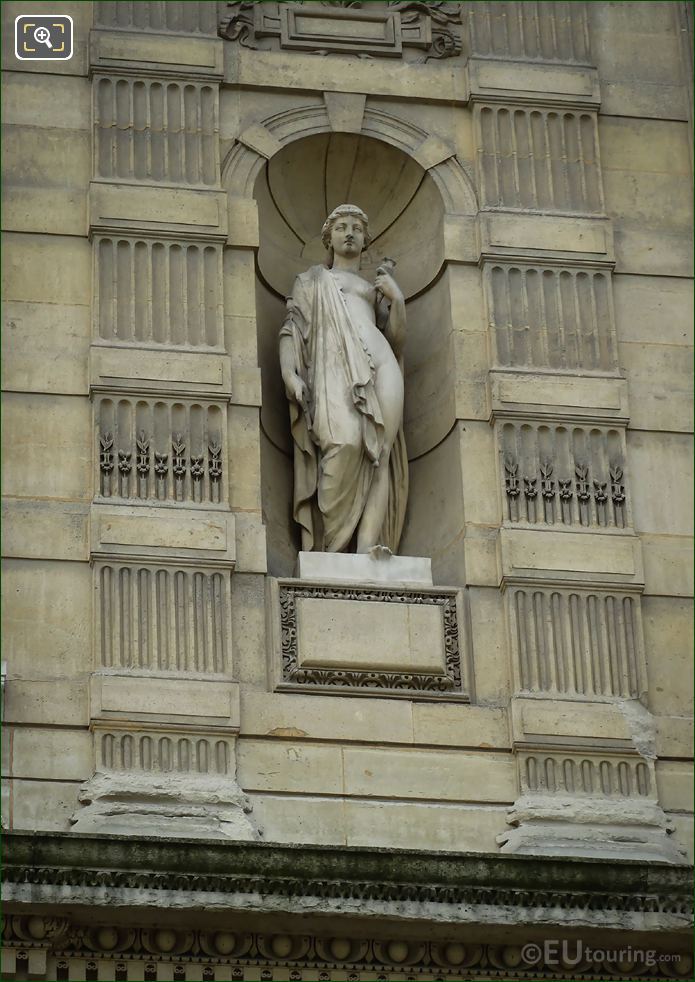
521,690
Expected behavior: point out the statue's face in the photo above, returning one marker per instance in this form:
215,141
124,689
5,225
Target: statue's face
347,236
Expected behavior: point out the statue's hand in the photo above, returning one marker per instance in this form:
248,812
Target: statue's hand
296,390
388,286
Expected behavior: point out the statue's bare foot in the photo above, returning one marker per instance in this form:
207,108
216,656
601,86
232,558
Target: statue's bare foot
379,552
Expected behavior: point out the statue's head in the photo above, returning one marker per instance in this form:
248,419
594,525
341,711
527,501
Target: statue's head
344,211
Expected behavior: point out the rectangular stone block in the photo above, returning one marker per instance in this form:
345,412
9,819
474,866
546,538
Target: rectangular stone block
502,234
49,435
296,716
194,56
375,636
548,723
429,774
146,533
54,702
651,309
55,211
662,482
58,643
653,251
44,347
43,806
289,766
161,699
423,825
604,398
54,755
45,529
55,159
200,373
570,555
47,269
674,780
258,69
474,727
294,818
660,386
243,222
668,638
123,206
45,101
516,80
674,736
491,680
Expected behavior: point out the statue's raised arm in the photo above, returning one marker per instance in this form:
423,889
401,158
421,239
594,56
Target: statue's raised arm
341,351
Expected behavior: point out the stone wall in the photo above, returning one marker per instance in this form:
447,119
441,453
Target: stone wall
532,177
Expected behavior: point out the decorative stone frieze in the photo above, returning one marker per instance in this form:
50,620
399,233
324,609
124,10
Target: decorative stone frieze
554,317
157,751
577,642
158,617
562,475
538,158
164,450
381,29
584,773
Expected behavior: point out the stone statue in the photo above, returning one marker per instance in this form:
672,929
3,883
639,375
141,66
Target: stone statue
341,359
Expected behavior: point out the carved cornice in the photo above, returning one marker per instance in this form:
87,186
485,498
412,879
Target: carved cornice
226,887
346,873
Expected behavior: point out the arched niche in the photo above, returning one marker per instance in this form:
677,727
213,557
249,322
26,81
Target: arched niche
295,189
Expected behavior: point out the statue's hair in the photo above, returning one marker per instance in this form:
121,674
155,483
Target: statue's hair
339,212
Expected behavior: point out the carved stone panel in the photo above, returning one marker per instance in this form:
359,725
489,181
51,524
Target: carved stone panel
159,618
538,158
582,773
159,292
551,316
400,641
563,475
577,642
175,16
156,130
163,450
546,32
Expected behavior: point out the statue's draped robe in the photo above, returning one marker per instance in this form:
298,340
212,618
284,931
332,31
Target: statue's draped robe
338,435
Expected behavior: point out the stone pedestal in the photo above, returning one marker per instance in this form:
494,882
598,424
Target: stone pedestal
365,568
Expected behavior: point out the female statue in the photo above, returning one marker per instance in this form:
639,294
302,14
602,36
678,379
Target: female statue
341,359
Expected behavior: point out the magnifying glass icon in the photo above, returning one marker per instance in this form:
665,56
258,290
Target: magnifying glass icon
43,36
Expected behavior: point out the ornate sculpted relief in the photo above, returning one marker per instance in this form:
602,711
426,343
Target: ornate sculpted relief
449,681
396,29
563,475
161,450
